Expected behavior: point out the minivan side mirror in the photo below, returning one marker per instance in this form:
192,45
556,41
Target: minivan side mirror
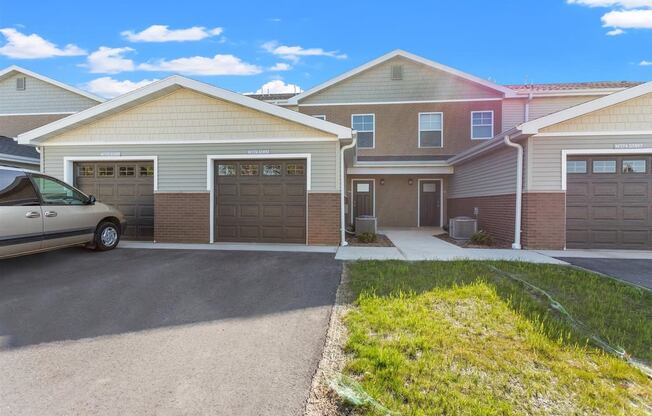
91,200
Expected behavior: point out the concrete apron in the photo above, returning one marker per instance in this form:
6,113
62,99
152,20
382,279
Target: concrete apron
290,248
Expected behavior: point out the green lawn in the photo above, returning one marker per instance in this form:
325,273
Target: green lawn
464,338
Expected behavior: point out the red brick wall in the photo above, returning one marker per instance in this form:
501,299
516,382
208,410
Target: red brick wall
544,220
182,217
495,216
324,218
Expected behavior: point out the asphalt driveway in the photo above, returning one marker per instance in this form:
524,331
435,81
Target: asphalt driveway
638,272
162,332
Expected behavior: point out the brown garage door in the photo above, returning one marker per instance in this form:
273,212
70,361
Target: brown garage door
128,186
260,201
609,202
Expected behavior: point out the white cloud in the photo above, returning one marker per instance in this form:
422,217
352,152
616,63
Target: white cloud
109,61
280,66
615,32
292,53
626,4
109,87
22,46
628,19
645,63
202,65
277,86
161,33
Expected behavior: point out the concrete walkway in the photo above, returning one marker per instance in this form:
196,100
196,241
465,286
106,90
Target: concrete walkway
415,244
297,248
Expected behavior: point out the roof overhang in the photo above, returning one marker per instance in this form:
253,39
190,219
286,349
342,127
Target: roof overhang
20,159
13,69
164,87
407,55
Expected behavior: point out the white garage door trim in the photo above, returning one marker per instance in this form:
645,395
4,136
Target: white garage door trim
69,162
573,152
210,178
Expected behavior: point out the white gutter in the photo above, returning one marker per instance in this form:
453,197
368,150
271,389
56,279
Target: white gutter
343,189
519,192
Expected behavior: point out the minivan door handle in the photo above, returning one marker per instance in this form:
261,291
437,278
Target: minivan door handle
50,214
33,214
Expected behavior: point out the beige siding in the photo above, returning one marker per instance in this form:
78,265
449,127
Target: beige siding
492,174
419,82
182,167
190,116
12,126
39,97
513,113
632,115
545,161
542,106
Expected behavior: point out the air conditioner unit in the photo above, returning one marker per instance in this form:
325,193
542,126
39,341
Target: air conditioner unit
462,228
365,224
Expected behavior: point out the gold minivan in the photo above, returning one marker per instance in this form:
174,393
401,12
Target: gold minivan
40,213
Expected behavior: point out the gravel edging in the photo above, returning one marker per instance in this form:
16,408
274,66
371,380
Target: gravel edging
322,401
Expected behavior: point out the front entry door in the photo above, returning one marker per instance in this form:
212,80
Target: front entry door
363,198
429,204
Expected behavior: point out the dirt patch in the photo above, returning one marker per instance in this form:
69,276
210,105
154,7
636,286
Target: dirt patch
381,241
466,244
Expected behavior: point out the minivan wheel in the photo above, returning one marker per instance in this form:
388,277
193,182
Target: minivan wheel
107,236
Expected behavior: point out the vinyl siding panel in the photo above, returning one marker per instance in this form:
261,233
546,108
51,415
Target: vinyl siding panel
419,82
39,97
492,174
513,113
542,106
545,160
182,167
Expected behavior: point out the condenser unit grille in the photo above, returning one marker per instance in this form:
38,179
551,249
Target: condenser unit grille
462,228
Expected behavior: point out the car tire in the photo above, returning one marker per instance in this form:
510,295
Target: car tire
107,236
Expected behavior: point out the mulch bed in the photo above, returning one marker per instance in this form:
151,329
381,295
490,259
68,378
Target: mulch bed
465,243
381,241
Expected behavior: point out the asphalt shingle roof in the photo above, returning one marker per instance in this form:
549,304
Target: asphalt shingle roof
567,86
9,146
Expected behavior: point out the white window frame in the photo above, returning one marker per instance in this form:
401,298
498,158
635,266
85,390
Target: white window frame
493,121
373,141
442,130
320,116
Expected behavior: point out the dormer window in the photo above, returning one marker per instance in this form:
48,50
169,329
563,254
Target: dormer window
21,83
397,72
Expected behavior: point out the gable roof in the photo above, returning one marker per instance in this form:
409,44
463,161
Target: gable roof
11,70
407,55
165,86
533,127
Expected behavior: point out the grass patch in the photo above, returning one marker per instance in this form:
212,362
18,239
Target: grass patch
460,338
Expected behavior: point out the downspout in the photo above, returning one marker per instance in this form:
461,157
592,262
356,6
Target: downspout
527,107
519,192
343,189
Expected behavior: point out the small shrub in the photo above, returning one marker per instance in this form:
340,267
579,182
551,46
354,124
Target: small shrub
367,238
481,238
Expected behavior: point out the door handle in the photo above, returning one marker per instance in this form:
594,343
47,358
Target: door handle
32,214
50,214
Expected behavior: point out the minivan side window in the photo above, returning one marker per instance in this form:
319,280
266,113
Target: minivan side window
16,189
54,192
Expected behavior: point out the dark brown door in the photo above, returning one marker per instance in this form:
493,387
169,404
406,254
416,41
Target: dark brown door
127,186
429,203
609,202
260,201
363,198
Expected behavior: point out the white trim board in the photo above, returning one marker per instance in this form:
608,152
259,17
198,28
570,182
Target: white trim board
69,173
575,152
441,200
56,113
210,178
15,68
260,140
459,100
171,83
596,133
21,159
407,170
400,53
353,191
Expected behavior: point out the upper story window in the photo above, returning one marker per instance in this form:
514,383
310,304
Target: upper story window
365,126
320,116
482,125
431,129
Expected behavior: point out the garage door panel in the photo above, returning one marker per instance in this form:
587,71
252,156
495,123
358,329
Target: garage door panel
106,191
618,204
267,204
127,190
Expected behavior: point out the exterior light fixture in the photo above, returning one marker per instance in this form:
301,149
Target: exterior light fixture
410,181
382,181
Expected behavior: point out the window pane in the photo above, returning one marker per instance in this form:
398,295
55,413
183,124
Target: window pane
226,170
85,170
147,171
56,193
634,166
430,139
105,171
481,132
365,139
430,121
362,122
295,169
272,170
127,171
576,166
249,169
16,189
604,166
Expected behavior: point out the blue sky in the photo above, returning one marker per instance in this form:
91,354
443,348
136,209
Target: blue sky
112,46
